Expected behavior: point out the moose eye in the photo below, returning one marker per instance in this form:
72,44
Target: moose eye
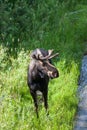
44,64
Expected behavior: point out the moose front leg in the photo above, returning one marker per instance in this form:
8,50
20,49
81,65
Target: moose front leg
34,96
45,93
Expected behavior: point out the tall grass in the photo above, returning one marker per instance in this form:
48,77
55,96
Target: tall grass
16,106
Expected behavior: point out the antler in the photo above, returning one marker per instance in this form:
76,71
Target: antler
40,57
49,56
37,54
53,55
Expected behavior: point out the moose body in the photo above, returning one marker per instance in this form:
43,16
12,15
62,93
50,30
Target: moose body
39,72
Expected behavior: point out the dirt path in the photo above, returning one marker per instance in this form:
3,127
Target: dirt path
81,117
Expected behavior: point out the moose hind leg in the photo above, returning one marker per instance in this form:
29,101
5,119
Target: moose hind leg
34,96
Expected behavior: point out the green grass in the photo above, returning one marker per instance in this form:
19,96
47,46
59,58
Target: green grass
16,109
16,105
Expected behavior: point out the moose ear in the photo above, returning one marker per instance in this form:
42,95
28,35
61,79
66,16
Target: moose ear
33,56
50,52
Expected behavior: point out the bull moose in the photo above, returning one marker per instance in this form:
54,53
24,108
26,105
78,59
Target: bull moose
40,70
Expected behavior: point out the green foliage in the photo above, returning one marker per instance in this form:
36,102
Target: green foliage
32,21
16,109
24,26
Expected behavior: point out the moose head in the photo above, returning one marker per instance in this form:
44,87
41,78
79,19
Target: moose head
43,62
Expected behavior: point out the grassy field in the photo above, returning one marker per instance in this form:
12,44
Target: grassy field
69,38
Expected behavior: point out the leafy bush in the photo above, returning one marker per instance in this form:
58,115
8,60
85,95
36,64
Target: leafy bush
31,21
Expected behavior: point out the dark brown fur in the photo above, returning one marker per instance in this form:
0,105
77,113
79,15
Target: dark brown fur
39,72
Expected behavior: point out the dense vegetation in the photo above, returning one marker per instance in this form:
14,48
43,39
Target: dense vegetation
25,25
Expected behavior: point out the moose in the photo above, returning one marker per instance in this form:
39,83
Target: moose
40,70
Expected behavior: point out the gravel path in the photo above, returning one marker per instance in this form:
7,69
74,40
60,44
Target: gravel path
81,117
